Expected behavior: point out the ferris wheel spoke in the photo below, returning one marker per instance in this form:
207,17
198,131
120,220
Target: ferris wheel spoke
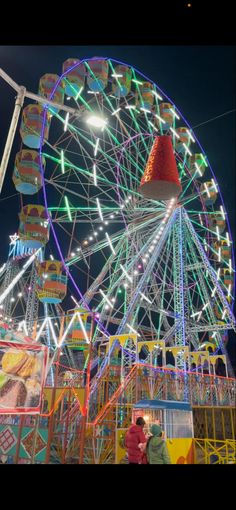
111,290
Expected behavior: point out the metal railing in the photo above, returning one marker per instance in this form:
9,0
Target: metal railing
211,451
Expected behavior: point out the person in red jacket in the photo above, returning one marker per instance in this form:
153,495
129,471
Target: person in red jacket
134,437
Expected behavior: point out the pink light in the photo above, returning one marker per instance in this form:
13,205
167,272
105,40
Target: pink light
139,266
29,288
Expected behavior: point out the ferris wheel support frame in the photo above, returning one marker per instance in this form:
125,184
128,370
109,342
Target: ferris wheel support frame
22,92
18,276
11,133
179,293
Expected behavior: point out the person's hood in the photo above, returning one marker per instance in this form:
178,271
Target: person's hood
156,441
135,428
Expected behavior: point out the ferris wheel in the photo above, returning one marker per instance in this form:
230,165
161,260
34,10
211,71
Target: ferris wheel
149,254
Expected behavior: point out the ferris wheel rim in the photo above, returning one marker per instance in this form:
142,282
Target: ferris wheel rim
44,188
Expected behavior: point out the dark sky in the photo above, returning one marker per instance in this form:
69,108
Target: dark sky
199,79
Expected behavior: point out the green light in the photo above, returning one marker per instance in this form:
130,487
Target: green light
137,81
90,174
204,161
68,208
73,128
78,95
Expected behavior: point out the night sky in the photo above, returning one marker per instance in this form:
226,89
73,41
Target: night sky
200,80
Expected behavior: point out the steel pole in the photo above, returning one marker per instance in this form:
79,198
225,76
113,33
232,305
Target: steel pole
20,427
36,427
52,410
86,397
21,94
14,121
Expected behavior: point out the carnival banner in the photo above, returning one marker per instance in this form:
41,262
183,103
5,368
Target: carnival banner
123,339
22,376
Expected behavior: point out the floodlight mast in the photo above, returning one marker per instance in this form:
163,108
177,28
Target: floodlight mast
21,94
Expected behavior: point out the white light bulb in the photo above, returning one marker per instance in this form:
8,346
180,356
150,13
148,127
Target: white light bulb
96,121
100,228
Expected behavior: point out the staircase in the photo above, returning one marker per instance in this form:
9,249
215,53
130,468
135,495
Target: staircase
100,441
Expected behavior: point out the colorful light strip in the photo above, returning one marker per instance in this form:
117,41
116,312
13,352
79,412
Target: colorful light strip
62,162
68,208
157,95
95,175
106,298
96,147
145,298
174,113
66,122
110,243
126,274
99,209
160,119
78,95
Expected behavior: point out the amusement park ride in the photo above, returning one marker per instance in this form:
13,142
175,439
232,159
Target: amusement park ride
122,215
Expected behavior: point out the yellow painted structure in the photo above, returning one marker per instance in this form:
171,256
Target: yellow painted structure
181,450
62,393
210,451
121,454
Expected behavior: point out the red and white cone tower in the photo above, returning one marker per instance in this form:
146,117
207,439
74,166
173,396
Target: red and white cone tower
160,180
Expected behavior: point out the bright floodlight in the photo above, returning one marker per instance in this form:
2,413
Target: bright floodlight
95,121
